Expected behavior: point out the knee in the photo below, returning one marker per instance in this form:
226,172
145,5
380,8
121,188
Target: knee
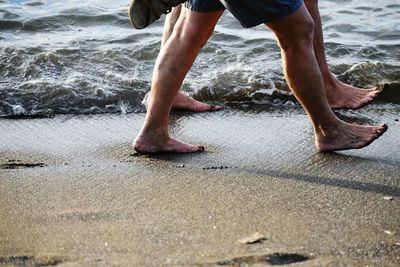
301,37
192,36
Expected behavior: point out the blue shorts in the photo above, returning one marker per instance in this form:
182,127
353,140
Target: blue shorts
249,13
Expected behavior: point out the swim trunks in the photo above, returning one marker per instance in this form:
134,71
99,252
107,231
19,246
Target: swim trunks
249,13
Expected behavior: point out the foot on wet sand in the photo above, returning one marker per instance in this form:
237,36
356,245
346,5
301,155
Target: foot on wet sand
146,146
184,102
342,95
348,136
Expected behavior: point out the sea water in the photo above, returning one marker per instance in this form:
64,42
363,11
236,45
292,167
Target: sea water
83,57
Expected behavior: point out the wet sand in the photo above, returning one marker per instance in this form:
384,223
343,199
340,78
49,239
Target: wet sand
73,193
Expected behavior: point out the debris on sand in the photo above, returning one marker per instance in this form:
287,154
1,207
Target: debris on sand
215,167
254,238
180,166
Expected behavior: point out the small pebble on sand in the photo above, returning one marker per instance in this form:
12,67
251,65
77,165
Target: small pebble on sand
254,238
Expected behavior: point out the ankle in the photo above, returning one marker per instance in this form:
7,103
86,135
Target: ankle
328,130
330,79
148,133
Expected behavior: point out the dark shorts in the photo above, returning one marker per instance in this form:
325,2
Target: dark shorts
248,12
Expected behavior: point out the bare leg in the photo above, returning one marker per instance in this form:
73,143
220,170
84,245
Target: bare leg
182,101
339,94
295,36
170,21
190,33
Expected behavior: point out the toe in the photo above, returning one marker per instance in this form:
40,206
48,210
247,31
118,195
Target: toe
200,148
186,148
193,149
215,107
375,93
383,128
380,130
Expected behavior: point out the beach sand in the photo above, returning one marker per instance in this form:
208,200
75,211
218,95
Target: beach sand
73,193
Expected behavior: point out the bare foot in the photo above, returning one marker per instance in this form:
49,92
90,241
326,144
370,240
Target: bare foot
145,145
341,95
184,102
348,136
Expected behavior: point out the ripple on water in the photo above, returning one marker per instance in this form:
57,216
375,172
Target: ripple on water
64,22
10,24
366,8
342,28
393,6
7,15
34,3
347,12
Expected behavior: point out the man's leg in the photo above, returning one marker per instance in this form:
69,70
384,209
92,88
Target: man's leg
176,57
295,35
339,94
169,24
182,101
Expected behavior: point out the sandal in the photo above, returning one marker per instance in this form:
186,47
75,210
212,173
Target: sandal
142,13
